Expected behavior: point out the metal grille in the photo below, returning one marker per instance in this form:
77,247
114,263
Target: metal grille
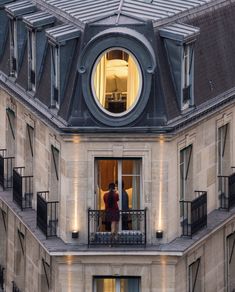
47,214
134,233
6,168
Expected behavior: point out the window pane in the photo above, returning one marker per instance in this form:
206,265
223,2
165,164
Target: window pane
105,285
129,285
116,81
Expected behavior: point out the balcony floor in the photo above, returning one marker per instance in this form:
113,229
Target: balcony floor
56,246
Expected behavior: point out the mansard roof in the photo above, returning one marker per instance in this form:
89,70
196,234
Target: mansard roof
83,29
89,10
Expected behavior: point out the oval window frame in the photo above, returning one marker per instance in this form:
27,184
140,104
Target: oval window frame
139,89
135,43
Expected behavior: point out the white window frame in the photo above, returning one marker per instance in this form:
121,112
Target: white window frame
13,47
32,58
55,75
187,74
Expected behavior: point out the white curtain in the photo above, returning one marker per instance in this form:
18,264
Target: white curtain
100,80
133,82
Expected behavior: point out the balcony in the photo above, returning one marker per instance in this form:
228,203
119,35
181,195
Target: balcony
6,167
2,278
132,228
14,287
22,188
47,214
194,214
227,191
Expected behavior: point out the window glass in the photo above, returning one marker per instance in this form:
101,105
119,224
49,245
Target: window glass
117,284
116,81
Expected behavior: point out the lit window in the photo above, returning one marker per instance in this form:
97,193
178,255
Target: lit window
32,59
116,81
112,284
55,76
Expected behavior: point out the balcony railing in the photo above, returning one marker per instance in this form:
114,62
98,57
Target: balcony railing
14,287
22,188
227,191
194,214
132,228
2,278
6,167
47,214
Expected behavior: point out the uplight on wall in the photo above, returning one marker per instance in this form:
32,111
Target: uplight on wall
159,234
75,234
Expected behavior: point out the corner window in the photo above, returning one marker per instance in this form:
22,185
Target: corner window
116,284
32,59
116,81
55,76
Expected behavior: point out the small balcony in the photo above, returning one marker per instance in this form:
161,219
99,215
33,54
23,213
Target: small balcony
194,214
6,168
2,278
47,214
14,287
22,188
227,191
132,228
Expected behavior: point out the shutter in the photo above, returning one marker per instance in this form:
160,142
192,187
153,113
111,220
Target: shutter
4,217
55,154
30,136
231,253
188,160
21,239
194,275
11,117
46,270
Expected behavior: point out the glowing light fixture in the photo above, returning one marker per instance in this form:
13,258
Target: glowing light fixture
75,234
159,234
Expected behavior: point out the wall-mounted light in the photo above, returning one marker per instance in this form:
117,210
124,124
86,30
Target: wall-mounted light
75,234
159,234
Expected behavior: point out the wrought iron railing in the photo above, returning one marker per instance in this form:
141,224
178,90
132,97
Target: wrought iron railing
47,214
227,191
22,188
132,228
2,278
14,287
194,214
6,167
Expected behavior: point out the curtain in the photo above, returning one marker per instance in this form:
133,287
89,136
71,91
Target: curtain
100,80
133,82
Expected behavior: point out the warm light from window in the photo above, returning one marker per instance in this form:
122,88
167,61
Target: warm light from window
116,81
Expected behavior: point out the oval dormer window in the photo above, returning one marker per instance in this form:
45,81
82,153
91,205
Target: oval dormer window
116,81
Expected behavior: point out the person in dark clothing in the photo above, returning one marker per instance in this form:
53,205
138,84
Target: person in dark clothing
111,208
125,207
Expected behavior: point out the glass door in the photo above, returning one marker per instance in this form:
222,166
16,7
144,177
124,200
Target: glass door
126,175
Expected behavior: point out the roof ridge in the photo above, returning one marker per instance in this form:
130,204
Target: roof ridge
119,10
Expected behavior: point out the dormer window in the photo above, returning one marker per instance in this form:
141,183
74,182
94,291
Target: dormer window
17,32
55,76
179,41
36,24
116,81
62,40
